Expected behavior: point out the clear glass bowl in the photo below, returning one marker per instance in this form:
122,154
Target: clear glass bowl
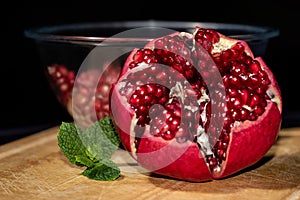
63,50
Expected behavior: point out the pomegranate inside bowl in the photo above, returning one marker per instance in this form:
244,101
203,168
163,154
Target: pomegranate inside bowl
64,48
196,106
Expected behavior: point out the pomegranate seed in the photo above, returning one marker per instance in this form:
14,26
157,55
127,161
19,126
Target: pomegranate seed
254,67
212,162
226,55
258,110
244,114
253,100
244,95
168,135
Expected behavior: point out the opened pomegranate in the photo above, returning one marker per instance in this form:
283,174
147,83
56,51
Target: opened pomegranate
196,106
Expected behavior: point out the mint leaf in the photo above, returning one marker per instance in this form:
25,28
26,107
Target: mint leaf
84,161
106,170
70,142
101,139
91,148
110,131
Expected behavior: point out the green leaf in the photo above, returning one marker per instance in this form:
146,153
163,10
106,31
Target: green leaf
87,148
106,170
70,143
84,161
109,130
101,139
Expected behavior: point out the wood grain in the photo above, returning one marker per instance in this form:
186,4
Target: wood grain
34,168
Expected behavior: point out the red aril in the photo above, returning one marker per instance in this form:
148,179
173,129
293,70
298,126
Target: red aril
196,106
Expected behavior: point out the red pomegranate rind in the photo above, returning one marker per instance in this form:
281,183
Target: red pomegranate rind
171,159
273,87
121,116
248,145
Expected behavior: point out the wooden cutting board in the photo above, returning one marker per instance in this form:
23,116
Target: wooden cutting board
34,168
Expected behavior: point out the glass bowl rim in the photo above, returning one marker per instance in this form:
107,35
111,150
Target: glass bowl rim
48,33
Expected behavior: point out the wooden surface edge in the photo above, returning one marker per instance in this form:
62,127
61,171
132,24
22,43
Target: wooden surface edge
33,167
27,142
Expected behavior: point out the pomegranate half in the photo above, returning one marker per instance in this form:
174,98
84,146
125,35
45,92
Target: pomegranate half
196,107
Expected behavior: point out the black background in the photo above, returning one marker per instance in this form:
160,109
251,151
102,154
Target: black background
27,103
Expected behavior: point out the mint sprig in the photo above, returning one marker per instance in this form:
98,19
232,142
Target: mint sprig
91,148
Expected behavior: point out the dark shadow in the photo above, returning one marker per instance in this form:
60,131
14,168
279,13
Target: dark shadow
260,163
270,173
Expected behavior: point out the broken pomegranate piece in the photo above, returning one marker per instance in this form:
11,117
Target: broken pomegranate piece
196,107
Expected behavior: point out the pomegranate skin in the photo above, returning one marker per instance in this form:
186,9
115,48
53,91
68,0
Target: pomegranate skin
183,161
121,116
249,140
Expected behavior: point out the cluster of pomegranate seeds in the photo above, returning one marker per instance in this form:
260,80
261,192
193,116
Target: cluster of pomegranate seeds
84,100
151,85
165,119
62,81
245,85
206,38
146,96
91,94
